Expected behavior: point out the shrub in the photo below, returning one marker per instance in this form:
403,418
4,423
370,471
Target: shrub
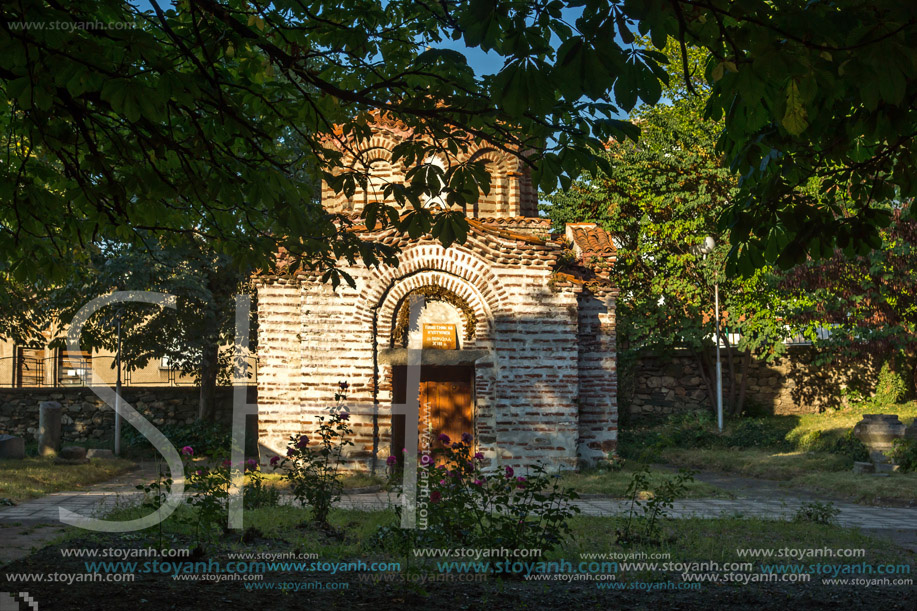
258,493
817,513
645,527
688,430
758,433
891,387
314,472
809,441
904,454
209,493
614,463
470,507
851,447
207,438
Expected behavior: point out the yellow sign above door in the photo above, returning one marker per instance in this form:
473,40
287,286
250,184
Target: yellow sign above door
440,337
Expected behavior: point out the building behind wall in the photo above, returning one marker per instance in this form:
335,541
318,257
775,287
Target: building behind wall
518,330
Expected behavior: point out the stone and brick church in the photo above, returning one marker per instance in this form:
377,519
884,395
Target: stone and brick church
518,331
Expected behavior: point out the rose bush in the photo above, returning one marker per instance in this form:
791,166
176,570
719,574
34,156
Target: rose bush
469,506
313,472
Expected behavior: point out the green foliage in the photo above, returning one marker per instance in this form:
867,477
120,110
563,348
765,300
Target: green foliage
259,494
614,463
851,447
904,454
472,507
207,438
817,513
154,497
209,494
697,430
314,472
660,198
209,119
212,119
645,527
208,486
891,387
688,430
866,302
819,147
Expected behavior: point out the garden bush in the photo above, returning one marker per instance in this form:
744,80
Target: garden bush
891,387
468,506
904,454
207,438
207,491
314,472
817,513
645,527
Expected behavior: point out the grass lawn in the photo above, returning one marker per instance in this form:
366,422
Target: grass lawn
806,451
588,481
821,472
30,478
415,582
351,481
286,528
615,483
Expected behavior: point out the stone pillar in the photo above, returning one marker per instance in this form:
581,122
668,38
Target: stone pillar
49,417
598,381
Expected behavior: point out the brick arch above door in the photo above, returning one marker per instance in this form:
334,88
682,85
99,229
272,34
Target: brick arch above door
402,287
471,274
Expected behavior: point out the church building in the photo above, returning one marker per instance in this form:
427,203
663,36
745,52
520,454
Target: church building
518,331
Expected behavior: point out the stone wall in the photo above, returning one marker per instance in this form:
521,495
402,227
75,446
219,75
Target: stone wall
659,385
86,417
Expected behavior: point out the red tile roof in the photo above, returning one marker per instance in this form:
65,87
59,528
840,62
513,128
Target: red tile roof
590,240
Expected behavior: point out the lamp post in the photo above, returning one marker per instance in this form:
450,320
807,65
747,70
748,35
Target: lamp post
118,391
705,249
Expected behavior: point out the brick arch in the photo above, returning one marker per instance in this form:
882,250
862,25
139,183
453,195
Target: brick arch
458,262
403,287
501,160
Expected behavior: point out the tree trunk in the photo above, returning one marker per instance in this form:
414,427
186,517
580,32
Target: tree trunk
209,369
746,365
707,375
731,375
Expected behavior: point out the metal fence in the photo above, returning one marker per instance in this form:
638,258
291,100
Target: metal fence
63,371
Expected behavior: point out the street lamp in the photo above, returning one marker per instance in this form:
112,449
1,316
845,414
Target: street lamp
705,249
118,391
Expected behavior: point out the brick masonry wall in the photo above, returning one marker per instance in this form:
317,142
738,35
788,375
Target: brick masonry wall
598,379
511,191
527,391
791,385
86,417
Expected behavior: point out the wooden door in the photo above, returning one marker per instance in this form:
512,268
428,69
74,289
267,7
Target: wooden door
446,393
446,402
